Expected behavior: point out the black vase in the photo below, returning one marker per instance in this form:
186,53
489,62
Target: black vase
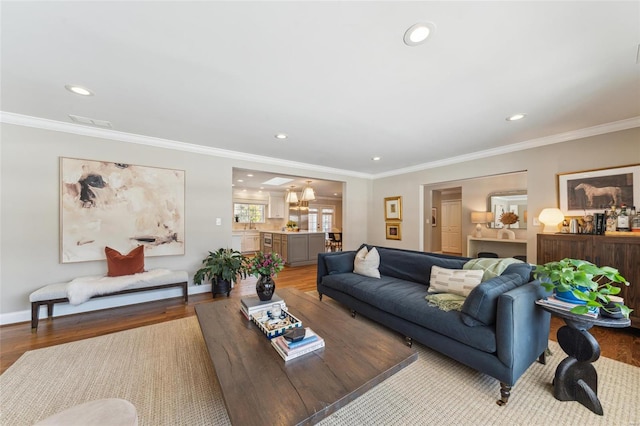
265,287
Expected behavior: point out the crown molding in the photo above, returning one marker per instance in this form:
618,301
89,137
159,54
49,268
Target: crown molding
600,129
78,129
59,126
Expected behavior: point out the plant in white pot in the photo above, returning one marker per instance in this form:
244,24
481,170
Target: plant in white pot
584,283
223,268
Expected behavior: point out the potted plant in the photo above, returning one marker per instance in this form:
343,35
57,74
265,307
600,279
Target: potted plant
223,268
587,284
264,266
291,225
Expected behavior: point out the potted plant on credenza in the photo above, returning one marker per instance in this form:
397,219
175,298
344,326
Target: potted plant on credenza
223,268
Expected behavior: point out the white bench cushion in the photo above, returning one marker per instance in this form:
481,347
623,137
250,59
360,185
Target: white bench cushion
59,290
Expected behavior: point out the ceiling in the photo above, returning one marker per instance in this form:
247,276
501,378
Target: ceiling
253,182
336,77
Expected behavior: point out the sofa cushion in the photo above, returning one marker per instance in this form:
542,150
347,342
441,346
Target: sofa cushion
366,263
481,305
523,269
340,262
414,266
454,281
406,300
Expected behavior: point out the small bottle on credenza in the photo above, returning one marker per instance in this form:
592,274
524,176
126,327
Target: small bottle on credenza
623,220
612,219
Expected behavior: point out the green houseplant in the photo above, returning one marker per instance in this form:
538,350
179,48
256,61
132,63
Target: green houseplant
222,267
589,284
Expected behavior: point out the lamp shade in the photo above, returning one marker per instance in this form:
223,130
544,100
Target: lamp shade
478,217
551,217
308,194
291,197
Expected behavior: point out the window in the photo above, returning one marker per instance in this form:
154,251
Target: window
326,218
249,213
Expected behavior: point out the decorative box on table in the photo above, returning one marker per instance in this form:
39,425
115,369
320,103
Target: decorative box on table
273,327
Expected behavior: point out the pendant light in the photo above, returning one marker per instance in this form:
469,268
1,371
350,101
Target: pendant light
292,197
308,194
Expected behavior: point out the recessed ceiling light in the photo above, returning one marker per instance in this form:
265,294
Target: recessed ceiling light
281,136
418,33
249,175
240,180
376,158
78,90
516,117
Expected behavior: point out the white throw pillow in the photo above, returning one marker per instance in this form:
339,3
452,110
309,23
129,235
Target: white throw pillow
455,281
366,263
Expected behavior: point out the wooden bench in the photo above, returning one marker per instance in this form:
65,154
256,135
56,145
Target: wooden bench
51,294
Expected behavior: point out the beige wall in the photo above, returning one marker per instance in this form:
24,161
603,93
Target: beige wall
541,164
29,208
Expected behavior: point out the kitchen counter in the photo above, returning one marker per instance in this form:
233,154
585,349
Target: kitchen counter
296,248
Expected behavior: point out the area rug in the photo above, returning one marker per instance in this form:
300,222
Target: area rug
165,371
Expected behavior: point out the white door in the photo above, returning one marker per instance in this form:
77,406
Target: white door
451,226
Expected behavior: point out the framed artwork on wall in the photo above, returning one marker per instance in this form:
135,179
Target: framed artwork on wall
119,205
394,230
393,208
593,191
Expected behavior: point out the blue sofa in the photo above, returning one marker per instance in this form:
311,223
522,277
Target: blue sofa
499,331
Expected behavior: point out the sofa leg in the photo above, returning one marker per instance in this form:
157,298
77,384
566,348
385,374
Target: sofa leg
542,359
408,341
320,296
505,393
353,313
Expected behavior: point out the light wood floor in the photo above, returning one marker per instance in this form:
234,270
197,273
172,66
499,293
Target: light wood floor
15,339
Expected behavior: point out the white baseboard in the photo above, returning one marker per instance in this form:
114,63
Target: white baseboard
61,309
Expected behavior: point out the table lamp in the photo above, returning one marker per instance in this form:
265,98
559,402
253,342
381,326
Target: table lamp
550,217
479,218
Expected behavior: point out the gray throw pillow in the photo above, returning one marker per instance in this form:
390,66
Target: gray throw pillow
339,263
482,303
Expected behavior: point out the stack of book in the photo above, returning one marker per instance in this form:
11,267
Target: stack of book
290,350
553,301
252,304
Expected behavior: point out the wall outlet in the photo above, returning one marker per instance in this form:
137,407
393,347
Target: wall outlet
218,221
536,222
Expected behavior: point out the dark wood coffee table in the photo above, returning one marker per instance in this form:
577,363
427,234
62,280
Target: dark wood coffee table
259,388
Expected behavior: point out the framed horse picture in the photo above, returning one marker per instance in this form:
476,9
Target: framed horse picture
593,191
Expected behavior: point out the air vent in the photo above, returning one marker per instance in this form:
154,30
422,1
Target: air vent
90,121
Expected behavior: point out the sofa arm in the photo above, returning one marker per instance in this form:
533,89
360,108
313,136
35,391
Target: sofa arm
522,327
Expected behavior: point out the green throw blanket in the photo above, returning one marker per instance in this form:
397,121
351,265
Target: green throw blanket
446,301
492,267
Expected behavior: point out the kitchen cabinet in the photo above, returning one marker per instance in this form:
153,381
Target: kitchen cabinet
276,207
620,252
250,241
298,248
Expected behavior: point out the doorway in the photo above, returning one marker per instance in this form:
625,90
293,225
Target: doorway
446,222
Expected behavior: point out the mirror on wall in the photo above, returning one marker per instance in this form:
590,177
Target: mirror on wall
508,201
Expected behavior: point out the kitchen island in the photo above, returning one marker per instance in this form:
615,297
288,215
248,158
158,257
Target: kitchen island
296,248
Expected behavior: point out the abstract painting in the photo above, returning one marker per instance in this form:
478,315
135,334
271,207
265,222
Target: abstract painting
121,206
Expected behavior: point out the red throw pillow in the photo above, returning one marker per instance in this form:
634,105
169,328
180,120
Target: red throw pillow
129,264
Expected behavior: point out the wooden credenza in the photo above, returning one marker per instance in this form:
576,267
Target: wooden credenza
620,252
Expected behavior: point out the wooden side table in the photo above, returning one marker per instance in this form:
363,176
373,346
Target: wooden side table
576,379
